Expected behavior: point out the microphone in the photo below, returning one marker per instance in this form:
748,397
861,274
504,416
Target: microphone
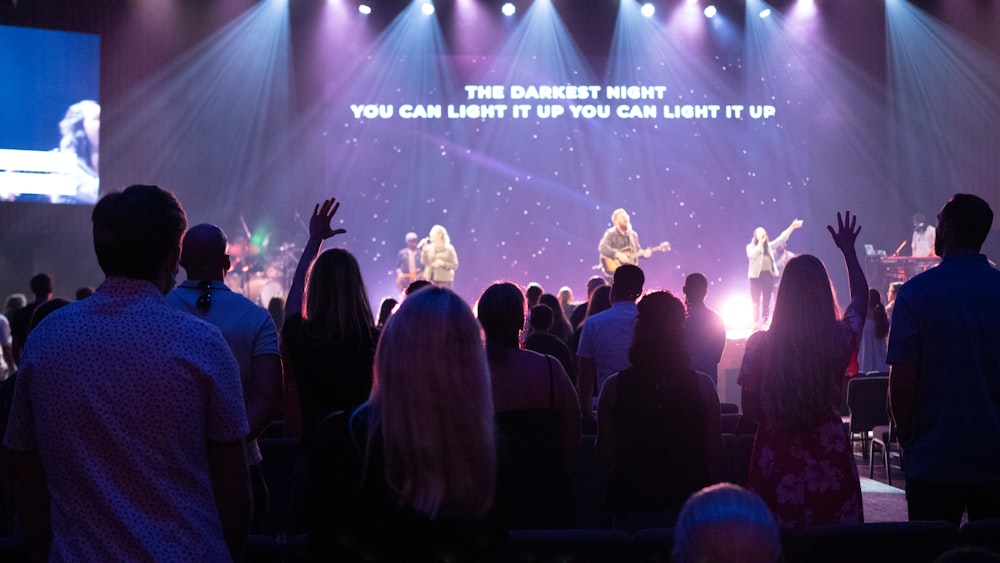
424,241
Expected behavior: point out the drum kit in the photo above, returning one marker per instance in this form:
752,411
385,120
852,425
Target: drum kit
260,275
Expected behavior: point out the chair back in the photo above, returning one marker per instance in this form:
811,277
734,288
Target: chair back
867,402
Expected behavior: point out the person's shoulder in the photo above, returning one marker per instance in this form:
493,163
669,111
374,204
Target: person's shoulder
757,340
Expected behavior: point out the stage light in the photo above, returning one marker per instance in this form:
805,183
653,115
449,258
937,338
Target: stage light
508,9
365,9
765,13
648,10
427,8
710,11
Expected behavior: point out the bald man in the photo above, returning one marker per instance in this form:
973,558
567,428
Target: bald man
247,328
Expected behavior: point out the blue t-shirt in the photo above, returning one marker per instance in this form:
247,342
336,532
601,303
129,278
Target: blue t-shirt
946,322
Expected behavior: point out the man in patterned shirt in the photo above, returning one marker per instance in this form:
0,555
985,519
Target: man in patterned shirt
128,421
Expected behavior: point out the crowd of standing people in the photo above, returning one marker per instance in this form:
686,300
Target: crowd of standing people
431,429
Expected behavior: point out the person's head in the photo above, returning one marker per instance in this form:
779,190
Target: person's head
431,403
919,220
137,234
415,285
565,296
759,234
41,287
44,310
500,310
963,225
439,235
411,240
659,332
599,301
203,253
533,292
593,283
385,311
541,317
695,288
874,298
726,523
627,284
335,296
14,302
84,292
80,130
621,220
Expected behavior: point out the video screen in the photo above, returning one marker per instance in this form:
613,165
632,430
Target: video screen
50,117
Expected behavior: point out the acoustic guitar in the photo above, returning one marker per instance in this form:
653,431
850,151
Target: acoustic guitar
609,265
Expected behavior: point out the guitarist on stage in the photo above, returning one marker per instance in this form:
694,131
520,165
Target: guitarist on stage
408,266
620,244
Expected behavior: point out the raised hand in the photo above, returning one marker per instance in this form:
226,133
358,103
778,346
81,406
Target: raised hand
846,234
319,223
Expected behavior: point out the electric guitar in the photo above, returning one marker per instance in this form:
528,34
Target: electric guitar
609,265
404,280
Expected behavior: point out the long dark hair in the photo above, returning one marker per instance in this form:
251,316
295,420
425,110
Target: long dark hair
876,312
501,313
807,355
336,301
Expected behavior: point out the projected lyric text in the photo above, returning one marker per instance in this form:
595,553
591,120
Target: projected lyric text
543,102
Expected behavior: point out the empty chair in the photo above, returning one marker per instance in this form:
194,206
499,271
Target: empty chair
884,436
867,403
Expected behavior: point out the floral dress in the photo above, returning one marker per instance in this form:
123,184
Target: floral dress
810,482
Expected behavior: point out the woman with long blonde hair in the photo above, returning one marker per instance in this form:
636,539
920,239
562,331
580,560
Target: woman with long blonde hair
411,474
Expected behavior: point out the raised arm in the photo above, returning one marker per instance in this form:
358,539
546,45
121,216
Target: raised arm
844,237
784,236
319,230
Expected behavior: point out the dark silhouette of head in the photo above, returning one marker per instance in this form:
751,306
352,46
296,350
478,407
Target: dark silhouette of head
416,285
628,282
593,283
659,332
501,312
695,288
541,318
137,233
963,225
41,286
203,253
532,293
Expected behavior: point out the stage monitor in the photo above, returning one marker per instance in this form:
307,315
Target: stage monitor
50,117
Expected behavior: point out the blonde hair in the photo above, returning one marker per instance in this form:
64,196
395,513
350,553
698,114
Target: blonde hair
444,234
432,406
